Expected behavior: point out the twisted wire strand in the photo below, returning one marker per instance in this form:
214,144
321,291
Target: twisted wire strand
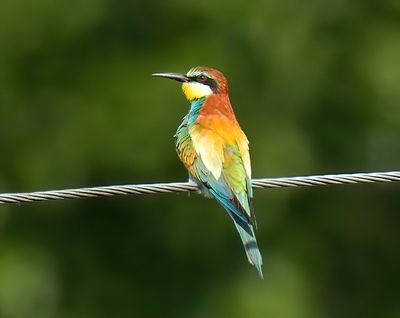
301,181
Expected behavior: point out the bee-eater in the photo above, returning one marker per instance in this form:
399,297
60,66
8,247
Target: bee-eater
215,151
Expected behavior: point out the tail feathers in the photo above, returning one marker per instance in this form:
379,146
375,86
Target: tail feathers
248,237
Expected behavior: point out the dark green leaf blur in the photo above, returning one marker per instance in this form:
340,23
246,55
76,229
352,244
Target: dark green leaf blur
316,87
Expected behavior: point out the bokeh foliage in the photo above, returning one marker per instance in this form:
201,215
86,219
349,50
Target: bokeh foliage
316,87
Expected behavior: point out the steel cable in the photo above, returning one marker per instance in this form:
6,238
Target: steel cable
302,181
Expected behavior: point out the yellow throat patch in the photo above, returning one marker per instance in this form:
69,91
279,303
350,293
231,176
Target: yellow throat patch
195,90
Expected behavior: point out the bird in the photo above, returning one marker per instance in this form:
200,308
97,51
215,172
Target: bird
215,151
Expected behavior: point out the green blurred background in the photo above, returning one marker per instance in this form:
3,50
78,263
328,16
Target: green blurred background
316,87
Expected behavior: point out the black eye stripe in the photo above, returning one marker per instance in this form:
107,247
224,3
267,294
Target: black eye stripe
210,82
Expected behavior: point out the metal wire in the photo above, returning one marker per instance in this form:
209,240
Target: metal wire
314,180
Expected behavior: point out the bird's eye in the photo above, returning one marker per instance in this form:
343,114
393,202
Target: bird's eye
202,78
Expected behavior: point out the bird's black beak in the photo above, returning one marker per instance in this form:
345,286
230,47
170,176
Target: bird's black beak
175,76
